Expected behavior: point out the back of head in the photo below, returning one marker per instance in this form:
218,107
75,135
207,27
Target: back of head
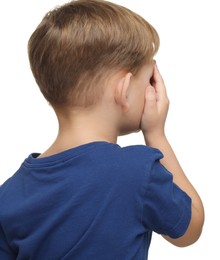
78,45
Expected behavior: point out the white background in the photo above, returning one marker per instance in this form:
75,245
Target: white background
189,62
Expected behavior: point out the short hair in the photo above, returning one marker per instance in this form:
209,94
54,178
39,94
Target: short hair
79,44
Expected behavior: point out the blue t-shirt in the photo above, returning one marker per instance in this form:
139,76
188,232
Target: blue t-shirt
97,201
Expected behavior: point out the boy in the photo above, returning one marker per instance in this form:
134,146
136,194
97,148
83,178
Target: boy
85,197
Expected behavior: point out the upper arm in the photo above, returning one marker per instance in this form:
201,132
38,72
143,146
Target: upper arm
167,208
193,231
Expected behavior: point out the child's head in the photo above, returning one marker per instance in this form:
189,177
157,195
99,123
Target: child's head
79,45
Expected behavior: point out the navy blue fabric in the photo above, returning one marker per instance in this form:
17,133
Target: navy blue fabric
96,201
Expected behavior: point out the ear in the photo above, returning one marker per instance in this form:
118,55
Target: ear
121,91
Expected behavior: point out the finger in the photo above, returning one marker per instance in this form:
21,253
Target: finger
159,84
150,99
157,76
150,94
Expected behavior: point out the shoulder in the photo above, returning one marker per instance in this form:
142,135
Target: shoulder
142,152
131,162
9,190
141,156
132,153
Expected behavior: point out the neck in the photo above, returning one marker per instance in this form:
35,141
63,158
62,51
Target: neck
83,126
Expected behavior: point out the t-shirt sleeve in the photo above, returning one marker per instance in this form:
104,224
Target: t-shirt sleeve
166,208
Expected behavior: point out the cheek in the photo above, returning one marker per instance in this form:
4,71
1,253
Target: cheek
142,99
139,110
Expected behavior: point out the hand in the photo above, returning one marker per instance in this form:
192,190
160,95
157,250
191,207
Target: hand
156,107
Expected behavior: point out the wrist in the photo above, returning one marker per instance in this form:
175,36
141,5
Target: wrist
154,139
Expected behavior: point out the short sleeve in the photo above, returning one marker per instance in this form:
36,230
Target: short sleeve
166,208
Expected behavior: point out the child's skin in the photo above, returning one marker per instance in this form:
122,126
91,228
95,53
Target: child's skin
130,103
153,121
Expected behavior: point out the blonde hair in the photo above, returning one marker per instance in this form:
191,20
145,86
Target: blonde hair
80,43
